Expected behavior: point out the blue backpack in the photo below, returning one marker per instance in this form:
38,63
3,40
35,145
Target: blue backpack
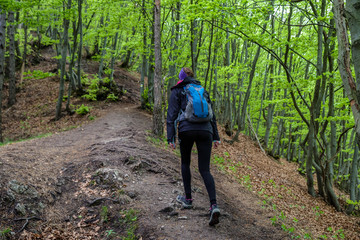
198,109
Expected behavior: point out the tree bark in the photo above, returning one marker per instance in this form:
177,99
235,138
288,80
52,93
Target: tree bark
344,59
79,85
63,63
173,53
103,52
209,56
11,66
144,59
157,114
2,61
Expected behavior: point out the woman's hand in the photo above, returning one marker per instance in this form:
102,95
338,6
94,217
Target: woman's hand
172,145
216,143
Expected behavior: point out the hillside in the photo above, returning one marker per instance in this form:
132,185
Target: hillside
108,178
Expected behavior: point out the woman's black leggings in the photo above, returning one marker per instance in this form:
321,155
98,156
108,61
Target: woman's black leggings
203,140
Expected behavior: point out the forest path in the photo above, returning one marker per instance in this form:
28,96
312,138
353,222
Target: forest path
111,161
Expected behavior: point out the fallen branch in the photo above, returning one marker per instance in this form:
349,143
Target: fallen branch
257,139
27,222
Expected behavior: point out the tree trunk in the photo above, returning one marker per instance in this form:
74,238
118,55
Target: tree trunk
157,114
144,59
113,56
173,53
63,63
79,85
247,94
353,17
17,43
151,64
193,43
72,84
352,91
262,98
2,61
354,178
210,48
11,66
271,107
103,52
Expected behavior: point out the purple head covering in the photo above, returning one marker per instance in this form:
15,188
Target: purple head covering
182,75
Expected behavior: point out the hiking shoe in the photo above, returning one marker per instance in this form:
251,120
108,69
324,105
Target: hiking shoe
186,203
214,215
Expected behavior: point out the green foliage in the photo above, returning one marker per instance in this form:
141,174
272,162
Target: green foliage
38,74
104,214
82,110
8,141
129,217
100,89
318,212
112,97
145,96
355,203
110,233
5,233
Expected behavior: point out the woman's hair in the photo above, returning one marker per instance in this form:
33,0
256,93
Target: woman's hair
188,72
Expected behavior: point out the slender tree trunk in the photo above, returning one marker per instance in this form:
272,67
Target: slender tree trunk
173,54
72,84
262,99
144,59
151,63
103,52
63,62
210,48
113,56
248,91
79,85
271,107
17,43
11,67
353,178
23,66
157,114
193,42
129,52
2,61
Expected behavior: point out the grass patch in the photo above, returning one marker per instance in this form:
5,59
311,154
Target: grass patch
7,141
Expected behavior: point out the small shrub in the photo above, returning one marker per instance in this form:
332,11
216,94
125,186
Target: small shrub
104,214
112,97
145,96
82,110
4,233
38,74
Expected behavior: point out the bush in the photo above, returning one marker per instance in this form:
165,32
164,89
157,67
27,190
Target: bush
38,74
82,110
100,89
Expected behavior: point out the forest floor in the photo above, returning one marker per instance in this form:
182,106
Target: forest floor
108,178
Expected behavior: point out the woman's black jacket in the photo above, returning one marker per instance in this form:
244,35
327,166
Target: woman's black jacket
178,102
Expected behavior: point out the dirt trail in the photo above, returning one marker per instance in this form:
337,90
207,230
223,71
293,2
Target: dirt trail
110,163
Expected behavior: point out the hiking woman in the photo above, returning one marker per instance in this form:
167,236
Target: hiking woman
204,134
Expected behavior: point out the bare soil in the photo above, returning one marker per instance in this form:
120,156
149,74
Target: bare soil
85,183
